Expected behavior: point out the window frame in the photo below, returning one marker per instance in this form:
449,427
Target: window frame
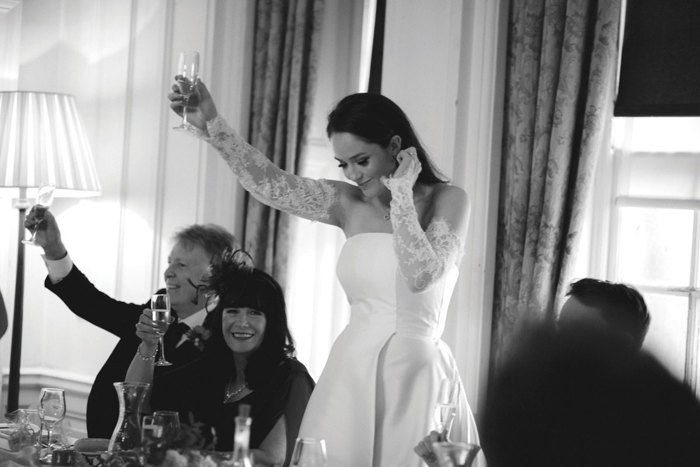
612,180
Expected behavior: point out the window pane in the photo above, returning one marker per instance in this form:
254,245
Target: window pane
654,246
657,134
666,339
653,175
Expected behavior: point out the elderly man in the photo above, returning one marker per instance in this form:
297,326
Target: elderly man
195,248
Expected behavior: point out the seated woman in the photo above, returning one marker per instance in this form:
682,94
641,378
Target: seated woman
247,358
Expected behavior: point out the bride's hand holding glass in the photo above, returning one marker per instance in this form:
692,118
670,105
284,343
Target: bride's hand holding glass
200,105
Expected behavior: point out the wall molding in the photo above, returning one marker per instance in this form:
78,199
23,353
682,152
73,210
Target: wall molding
477,169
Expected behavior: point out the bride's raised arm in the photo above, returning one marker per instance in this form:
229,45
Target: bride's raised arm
316,200
425,255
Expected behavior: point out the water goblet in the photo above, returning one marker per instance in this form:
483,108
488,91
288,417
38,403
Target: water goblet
44,200
451,454
160,314
309,452
446,406
52,409
188,69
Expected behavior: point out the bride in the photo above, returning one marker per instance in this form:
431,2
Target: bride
405,227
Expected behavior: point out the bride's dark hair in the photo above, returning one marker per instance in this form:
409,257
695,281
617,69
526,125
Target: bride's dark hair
376,119
238,284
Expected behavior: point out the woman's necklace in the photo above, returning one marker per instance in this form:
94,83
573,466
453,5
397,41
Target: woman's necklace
234,390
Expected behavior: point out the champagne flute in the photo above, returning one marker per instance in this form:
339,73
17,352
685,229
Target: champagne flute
52,409
309,452
44,200
188,69
446,406
160,314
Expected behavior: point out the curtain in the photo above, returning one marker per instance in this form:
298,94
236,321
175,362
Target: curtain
284,75
561,69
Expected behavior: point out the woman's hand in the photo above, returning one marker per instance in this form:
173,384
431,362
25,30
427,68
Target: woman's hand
200,106
147,330
407,172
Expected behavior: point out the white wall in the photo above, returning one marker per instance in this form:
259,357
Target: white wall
118,59
442,63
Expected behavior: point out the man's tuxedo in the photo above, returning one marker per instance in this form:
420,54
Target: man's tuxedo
118,318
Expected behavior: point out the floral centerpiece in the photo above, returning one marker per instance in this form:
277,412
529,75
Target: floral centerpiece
190,448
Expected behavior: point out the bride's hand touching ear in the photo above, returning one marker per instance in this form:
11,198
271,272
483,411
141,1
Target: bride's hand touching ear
200,107
407,172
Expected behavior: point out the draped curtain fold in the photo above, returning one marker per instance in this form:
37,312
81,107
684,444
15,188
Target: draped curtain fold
561,69
286,47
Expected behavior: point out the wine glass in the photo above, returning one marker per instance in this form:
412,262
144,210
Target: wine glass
160,314
151,436
309,452
44,199
446,406
52,409
188,69
169,420
450,454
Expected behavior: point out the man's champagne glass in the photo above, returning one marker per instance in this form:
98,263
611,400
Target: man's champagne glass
160,314
188,69
446,406
44,199
52,409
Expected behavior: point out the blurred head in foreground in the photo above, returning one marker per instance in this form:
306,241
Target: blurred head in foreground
585,398
601,305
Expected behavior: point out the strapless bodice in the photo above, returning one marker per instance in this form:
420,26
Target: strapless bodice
368,271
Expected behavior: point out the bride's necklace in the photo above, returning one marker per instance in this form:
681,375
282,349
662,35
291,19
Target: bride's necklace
234,390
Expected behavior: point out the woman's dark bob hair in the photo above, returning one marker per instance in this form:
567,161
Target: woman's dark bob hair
376,119
239,285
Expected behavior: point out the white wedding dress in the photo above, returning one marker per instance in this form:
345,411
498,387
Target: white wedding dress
376,396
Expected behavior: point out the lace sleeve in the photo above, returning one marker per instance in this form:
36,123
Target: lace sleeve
304,197
424,256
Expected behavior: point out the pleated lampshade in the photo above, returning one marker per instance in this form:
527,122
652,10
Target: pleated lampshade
42,142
